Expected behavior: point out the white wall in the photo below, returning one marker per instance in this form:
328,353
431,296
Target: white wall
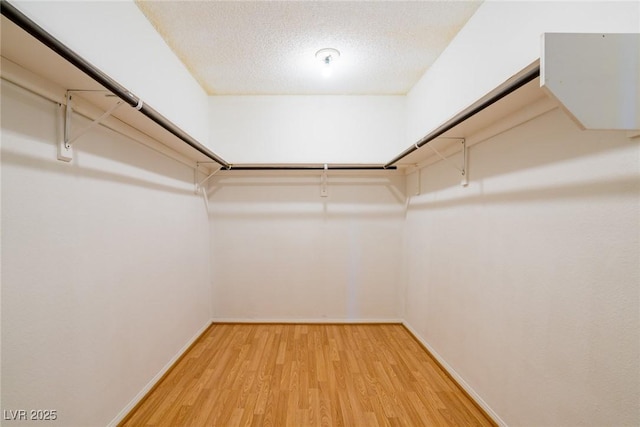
307,129
116,37
501,39
105,269
281,252
526,282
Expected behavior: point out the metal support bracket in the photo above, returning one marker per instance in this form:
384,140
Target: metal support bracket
323,182
64,146
64,152
463,170
198,185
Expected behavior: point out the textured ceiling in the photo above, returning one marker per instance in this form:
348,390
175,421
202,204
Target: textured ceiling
268,47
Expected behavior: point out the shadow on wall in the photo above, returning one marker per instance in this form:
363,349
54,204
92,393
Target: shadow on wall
630,185
52,166
101,154
296,196
548,148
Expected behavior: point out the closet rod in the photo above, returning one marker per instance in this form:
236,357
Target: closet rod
17,17
300,168
458,119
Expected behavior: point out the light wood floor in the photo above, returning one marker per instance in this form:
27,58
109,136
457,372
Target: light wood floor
299,375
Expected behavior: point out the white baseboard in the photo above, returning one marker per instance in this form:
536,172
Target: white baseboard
313,320
156,378
461,382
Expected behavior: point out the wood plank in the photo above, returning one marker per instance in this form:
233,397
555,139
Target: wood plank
317,375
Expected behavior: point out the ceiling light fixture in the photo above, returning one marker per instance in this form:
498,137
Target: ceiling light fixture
327,56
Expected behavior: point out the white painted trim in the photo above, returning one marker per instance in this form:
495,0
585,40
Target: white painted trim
315,320
474,395
125,411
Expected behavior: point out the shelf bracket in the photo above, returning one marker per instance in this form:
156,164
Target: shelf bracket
198,185
64,151
69,139
323,182
463,170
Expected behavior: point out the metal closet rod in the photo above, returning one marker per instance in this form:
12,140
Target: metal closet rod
20,19
17,17
456,120
310,167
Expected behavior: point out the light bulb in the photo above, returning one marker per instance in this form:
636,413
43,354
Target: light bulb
327,56
327,69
